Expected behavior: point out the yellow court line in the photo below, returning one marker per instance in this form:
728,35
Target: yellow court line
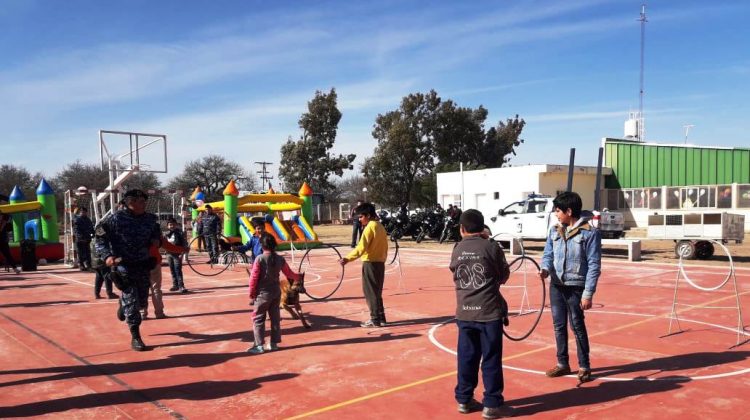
515,356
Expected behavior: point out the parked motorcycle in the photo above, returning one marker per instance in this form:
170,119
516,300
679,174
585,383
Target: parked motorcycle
451,230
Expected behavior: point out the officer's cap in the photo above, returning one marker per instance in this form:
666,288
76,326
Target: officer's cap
136,194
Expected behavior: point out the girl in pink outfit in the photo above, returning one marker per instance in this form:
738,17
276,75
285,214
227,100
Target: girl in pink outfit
265,293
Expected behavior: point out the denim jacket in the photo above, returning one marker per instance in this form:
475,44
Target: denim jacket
574,258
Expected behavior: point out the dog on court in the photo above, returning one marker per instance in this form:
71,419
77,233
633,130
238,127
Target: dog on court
290,291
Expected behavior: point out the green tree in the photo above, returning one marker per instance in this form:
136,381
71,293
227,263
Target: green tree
91,176
212,173
309,158
11,175
502,141
405,151
460,135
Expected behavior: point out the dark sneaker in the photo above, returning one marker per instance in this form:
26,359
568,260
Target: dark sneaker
161,316
469,407
370,324
256,350
272,347
174,289
584,375
498,412
184,290
120,311
558,371
98,296
112,296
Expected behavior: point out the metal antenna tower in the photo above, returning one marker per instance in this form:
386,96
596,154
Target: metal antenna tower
641,119
265,178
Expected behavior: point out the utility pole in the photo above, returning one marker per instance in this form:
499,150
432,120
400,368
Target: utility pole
641,122
264,176
687,128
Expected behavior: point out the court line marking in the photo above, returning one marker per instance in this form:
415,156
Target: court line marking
454,372
146,399
438,344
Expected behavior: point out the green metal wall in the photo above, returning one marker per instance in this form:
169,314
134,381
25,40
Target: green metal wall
638,165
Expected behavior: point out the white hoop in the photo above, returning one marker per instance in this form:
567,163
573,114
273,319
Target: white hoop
709,289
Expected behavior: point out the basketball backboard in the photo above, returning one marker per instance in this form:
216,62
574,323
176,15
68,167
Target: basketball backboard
123,150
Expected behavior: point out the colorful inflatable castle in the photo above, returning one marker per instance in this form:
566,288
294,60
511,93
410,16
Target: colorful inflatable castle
287,217
35,220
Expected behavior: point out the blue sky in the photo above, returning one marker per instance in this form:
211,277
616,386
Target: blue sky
233,77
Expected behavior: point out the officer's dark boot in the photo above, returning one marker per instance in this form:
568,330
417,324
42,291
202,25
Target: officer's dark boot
136,343
120,311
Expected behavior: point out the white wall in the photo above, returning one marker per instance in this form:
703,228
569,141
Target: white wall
513,184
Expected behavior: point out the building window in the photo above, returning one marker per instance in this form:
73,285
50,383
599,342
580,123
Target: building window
626,199
744,198
654,198
673,198
724,196
640,199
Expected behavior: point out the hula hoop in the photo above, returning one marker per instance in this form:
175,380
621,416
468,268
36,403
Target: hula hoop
395,255
520,261
306,257
193,263
709,289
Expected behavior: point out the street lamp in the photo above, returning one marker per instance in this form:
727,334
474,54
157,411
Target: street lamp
364,191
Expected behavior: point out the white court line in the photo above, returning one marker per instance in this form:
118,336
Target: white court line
434,341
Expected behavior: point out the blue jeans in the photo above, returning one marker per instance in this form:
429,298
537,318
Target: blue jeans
566,305
175,268
480,341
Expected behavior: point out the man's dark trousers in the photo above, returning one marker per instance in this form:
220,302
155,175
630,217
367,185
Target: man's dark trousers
373,277
84,253
356,232
480,341
135,297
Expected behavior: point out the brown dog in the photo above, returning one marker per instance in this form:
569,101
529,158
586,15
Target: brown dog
290,291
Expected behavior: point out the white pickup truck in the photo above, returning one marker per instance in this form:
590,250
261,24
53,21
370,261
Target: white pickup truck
532,218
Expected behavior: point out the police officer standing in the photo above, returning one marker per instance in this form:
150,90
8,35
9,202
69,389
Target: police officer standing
123,242
83,230
210,230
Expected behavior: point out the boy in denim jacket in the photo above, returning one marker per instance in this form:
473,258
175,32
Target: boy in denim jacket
572,260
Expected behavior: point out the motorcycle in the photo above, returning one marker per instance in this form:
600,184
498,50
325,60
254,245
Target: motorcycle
451,230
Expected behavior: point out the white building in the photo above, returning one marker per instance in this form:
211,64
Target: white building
489,190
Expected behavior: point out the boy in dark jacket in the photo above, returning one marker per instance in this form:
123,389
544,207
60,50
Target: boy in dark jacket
479,268
177,238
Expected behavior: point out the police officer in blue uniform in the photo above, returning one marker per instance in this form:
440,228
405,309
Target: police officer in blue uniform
123,242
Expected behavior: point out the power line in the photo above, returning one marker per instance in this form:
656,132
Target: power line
265,178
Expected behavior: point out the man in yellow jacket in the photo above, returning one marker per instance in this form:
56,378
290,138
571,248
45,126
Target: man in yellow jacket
373,249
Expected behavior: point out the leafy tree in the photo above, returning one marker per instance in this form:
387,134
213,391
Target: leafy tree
502,141
309,158
460,135
77,174
212,173
91,176
11,175
348,190
405,150
427,134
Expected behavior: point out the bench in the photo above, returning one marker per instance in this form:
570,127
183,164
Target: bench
634,247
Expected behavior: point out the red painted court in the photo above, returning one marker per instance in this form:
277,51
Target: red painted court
63,354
